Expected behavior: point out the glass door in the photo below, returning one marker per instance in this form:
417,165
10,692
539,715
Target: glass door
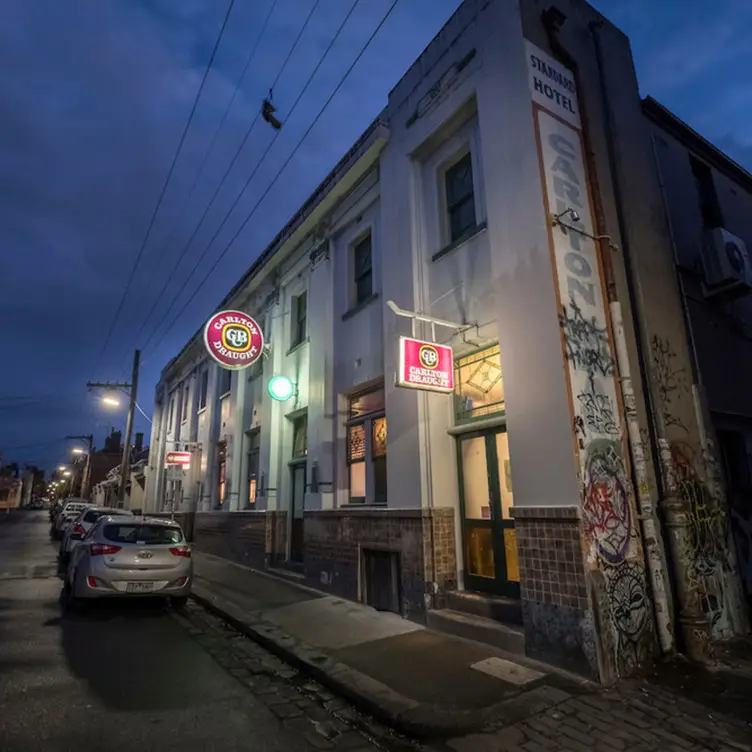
489,537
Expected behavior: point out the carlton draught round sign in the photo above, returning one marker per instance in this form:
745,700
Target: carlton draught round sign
233,339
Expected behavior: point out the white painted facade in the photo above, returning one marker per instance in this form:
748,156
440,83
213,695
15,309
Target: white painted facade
467,106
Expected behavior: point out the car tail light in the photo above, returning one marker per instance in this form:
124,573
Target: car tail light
181,551
102,549
78,529
91,581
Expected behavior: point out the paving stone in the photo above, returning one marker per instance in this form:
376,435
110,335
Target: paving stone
286,712
317,741
481,743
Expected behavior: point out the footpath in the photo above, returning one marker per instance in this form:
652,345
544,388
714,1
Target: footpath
464,696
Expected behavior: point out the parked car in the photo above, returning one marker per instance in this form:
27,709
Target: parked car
64,518
123,556
75,533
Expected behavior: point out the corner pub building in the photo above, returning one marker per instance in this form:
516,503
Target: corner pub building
502,204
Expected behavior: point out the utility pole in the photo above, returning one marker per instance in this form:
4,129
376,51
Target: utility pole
132,389
89,439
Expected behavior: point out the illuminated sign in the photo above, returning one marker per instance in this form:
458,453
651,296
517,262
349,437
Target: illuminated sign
233,339
178,458
425,365
280,388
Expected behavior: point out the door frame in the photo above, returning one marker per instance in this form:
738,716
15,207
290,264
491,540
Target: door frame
296,466
500,584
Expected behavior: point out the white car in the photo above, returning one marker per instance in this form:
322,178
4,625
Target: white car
69,510
85,520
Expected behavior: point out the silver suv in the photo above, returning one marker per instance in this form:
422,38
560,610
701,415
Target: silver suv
121,557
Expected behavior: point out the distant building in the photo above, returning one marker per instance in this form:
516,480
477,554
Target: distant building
506,202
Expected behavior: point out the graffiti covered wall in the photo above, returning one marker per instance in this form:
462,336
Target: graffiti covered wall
611,540
706,558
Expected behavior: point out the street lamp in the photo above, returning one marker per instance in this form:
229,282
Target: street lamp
110,401
67,473
77,450
62,468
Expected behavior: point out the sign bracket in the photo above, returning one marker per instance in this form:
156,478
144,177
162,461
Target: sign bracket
415,316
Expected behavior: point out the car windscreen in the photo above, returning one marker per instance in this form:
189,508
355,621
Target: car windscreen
143,535
93,515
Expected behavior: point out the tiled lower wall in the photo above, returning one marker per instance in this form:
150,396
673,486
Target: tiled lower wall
424,539
255,539
558,620
334,545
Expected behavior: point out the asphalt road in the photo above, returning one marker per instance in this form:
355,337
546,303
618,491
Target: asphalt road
129,676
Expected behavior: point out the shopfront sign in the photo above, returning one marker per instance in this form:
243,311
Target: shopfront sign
425,365
233,339
178,459
552,85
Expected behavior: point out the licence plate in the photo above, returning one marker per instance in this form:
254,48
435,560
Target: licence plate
139,587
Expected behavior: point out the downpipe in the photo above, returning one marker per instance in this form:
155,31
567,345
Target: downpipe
650,527
695,631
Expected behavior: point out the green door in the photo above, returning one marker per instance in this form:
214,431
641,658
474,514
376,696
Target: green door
488,534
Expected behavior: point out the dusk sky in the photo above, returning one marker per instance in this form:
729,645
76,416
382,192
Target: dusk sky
93,100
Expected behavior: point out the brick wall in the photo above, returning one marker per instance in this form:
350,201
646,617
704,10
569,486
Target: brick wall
557,617
335,541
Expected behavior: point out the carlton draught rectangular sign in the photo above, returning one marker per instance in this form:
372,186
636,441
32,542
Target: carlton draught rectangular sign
425,365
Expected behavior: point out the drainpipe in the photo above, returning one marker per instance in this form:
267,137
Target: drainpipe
695,631
655,561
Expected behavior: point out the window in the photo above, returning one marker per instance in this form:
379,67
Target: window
204,389
479,384
143,535
363,269
225,381
171,417
186,397
710,209
460,199
366,448
221,474
254,442
299,319
300,437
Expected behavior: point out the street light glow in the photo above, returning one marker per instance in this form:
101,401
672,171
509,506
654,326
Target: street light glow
77,450
67,472
61,468
111,401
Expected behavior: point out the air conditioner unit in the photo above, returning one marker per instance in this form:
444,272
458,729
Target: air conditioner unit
726,265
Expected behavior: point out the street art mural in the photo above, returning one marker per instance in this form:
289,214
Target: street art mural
611,541
706,560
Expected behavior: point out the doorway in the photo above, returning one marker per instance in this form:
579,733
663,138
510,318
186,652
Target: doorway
488,535
297,506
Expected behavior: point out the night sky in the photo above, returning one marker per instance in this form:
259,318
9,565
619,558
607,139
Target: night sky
94,97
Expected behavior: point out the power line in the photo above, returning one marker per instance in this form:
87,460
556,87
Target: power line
200,171
277,176
200,223
166,183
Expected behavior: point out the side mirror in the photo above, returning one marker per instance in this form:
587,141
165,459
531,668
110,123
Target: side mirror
74,536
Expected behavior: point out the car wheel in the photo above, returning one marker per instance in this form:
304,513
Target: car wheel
72,603
179,601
